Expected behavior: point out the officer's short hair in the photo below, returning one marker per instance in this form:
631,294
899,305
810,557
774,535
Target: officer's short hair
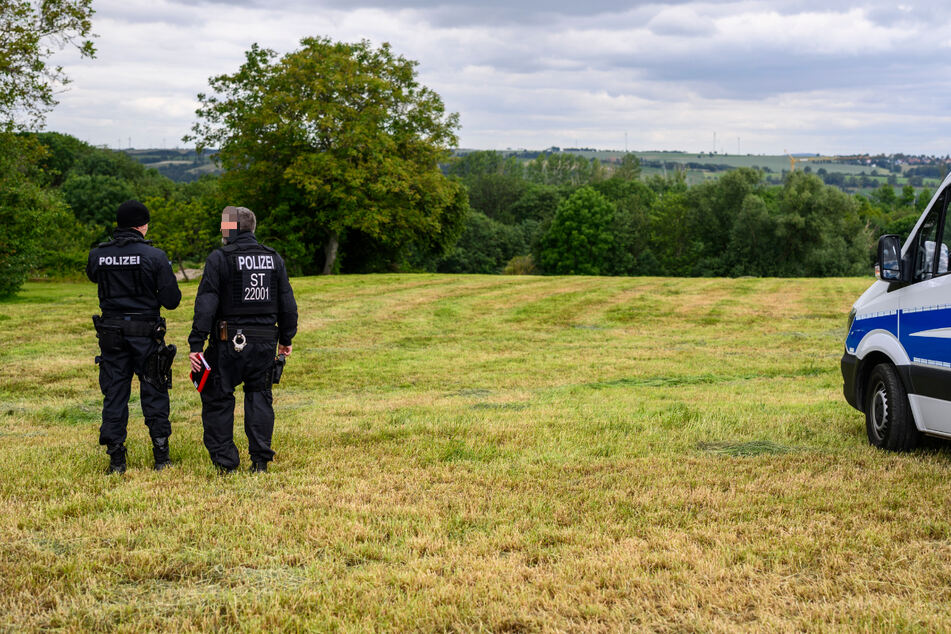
243,216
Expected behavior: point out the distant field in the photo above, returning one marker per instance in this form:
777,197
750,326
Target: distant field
185,165
182,165
777,164
459,453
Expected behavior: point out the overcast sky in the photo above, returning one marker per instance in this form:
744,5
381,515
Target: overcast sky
764,76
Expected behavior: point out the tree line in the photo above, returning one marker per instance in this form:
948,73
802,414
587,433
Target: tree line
573,216
556,214
346,160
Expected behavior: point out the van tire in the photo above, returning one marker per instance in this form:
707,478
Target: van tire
888,419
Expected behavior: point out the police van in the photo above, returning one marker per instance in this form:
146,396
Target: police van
897,362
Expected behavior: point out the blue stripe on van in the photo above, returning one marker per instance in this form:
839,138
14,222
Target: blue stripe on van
921,337
865,324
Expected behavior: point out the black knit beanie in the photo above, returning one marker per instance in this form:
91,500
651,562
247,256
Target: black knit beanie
132,213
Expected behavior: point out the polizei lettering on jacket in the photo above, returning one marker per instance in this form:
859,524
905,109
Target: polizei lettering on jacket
255,262
118,260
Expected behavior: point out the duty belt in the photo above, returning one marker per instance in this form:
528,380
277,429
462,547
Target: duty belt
253,334
132,327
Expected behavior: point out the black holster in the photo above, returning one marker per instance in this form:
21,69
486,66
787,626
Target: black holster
279,362
158,367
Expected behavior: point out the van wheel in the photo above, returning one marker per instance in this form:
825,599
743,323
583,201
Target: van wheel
888,420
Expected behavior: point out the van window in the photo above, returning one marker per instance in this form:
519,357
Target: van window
930,261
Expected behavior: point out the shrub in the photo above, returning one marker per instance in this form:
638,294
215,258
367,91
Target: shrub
520,265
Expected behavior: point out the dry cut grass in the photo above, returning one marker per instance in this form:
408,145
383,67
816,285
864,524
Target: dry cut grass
475,453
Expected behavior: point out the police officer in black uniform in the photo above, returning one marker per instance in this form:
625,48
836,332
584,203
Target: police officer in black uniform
246,305
135,280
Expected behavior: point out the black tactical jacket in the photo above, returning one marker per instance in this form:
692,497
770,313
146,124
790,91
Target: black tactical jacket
134,278
217,281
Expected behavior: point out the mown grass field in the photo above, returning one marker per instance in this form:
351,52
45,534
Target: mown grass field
469,453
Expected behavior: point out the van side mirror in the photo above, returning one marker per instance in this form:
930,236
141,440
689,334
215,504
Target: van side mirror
889,259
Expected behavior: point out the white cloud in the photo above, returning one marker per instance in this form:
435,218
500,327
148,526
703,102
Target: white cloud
829,75
681,20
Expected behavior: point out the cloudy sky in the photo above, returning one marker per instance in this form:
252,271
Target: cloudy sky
764,76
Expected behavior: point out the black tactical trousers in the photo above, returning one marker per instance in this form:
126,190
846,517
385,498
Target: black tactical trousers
115,380
252,366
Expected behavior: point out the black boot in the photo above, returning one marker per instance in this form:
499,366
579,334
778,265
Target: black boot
258,467
160,453
116,458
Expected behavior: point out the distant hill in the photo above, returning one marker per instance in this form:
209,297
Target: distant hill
853,174
179,165
850,173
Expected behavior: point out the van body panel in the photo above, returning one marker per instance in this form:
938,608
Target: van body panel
934,411
882,341
849,365
909,322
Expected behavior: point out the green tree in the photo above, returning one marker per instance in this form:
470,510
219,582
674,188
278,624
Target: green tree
907,198
331,138
902,225
571,170
713,209
94,199
884,196
485,246
631,226
62,153
29,32
537,202
28,84
579,240
185,230
29,214
482,162
924,197
752,249
818,230
629,169
493,181
674,243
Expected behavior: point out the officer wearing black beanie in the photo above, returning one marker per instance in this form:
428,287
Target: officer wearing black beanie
132,213
135,280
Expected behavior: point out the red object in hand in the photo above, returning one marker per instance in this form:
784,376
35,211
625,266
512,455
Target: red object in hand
199,377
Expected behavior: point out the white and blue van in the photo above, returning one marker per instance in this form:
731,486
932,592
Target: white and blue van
897,361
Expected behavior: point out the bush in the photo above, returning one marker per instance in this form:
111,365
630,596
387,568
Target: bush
520,265
484,247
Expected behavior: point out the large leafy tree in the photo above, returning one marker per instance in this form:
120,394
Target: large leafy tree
495,183
32,217
818,230
714,206
579,241
30,31
334,138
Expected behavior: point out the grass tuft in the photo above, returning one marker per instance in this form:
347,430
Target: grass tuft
751,448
